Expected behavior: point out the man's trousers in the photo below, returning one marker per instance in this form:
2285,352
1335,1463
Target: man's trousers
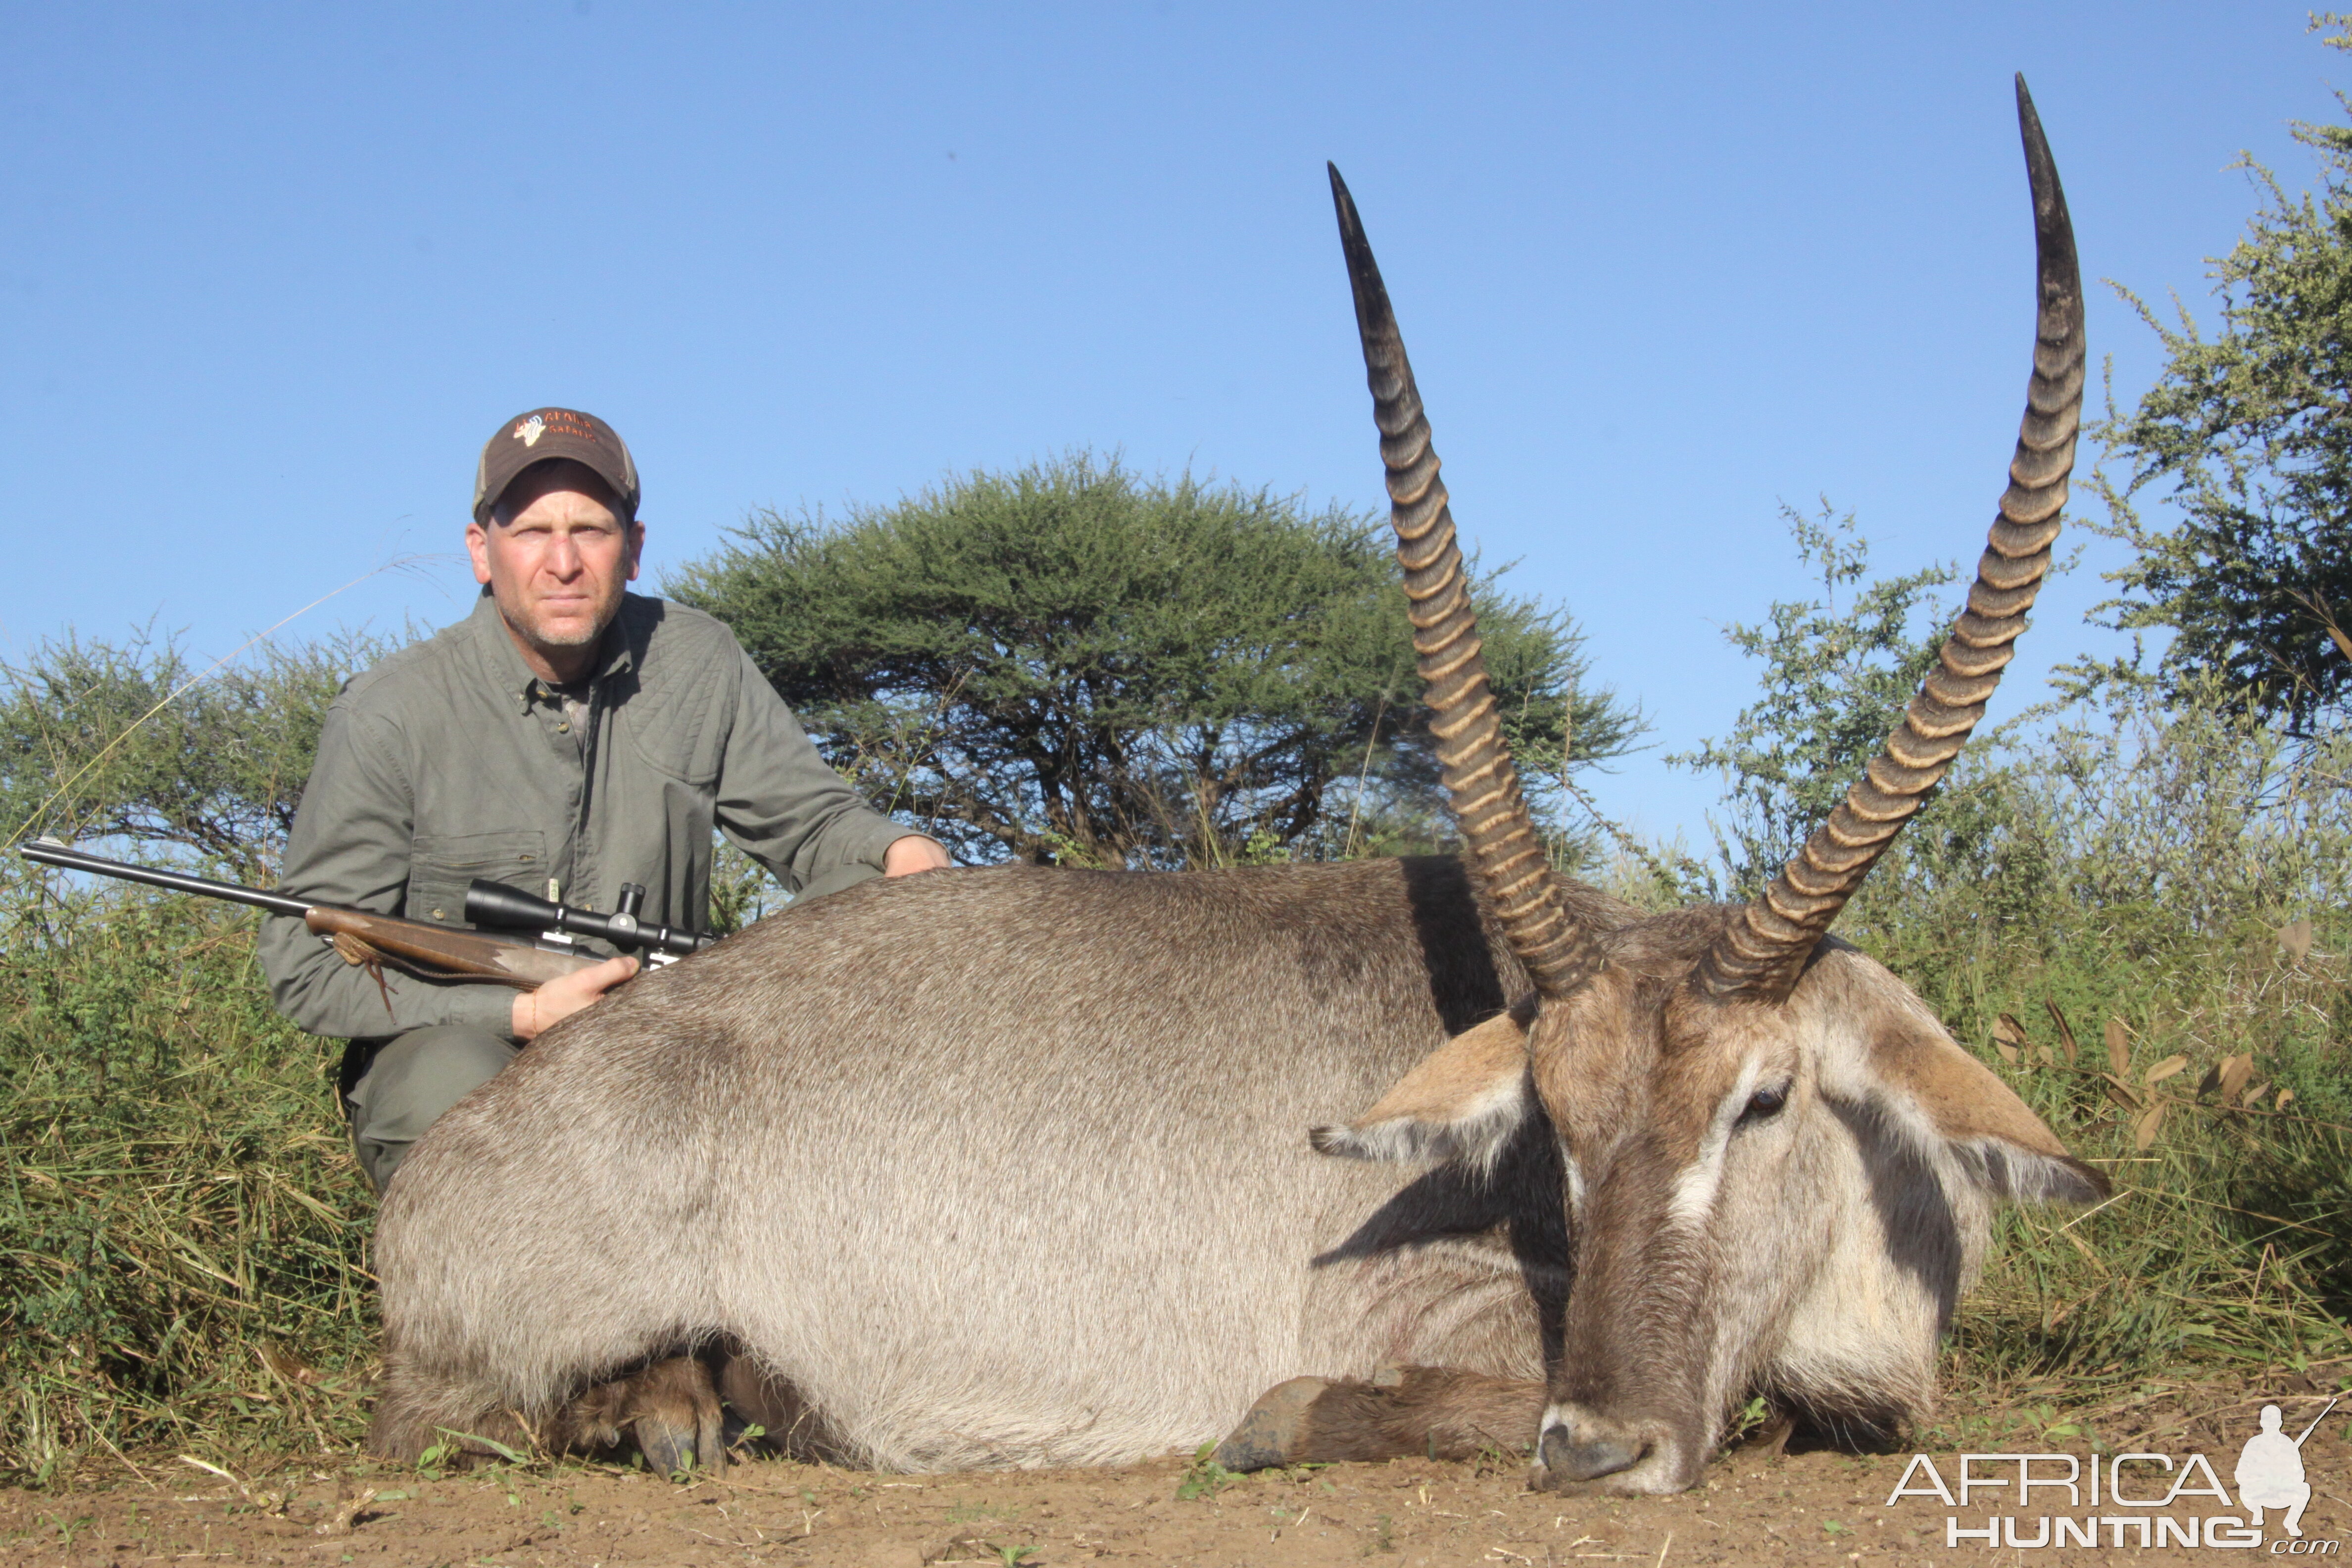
394,1090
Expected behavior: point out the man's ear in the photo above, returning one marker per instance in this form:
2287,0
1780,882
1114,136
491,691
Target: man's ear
1463,1102
2008,1149
636,548
478,549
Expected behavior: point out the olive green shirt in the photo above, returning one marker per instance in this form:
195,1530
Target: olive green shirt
451,761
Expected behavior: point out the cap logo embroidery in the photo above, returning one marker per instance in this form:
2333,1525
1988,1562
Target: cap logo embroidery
531,430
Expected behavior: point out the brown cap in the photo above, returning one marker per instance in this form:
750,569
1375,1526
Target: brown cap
545,434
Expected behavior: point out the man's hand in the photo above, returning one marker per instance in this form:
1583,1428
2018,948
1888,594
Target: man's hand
536,1010
912,854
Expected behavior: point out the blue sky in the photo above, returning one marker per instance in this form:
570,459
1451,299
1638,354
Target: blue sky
274,272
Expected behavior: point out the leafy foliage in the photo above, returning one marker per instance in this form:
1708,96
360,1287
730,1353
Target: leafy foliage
1070,664
1205,1476
1835,685
2249,434
216,770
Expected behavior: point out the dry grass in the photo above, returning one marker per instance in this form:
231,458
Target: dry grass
183,1232
183,1235
2172,890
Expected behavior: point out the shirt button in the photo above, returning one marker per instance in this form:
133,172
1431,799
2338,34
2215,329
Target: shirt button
439,916
564,728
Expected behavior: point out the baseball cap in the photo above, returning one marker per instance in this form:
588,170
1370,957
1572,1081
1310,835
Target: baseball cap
548,433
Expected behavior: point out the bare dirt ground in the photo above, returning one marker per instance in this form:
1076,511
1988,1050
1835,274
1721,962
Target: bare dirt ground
1754,1508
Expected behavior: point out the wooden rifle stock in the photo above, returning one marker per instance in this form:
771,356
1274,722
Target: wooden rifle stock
437,952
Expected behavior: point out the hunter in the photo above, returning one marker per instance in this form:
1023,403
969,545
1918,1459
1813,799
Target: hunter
566,737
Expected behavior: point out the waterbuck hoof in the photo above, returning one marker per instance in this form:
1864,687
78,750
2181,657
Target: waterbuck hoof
670,1410
1273,1431
669,1450
678,1420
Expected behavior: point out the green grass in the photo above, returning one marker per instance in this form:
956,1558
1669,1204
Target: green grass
2228,1246
1203,1476
2180,880
183,1232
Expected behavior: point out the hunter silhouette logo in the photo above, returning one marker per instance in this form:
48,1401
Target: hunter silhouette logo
531,430
2153,1496
2270,1471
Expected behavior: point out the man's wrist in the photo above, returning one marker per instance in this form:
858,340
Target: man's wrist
912,852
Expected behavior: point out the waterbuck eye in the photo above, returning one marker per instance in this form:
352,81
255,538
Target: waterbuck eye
1764,1105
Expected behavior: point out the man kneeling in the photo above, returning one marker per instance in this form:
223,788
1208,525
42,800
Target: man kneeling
566,738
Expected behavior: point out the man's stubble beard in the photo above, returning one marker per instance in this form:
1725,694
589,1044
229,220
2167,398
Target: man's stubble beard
536,631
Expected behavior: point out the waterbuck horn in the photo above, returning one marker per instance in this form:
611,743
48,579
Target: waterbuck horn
1505,850
1763,951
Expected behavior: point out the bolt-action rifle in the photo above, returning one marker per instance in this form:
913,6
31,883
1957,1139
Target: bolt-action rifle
430,952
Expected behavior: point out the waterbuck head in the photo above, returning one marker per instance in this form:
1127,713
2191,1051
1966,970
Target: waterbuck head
1780,1166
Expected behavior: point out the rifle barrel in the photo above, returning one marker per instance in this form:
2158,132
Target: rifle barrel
49,852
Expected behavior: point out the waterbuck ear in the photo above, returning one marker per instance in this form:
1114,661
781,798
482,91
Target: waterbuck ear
1464,1102
2011,1151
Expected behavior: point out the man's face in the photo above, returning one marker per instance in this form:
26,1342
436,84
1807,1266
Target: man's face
556,556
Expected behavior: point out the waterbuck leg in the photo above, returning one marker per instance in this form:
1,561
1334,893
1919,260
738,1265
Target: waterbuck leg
788,1423
417,1413
1434,1410
670,1409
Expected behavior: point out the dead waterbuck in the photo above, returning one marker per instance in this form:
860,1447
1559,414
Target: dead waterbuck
1004,1166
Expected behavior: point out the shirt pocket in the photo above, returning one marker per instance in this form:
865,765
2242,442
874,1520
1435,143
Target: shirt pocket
441,865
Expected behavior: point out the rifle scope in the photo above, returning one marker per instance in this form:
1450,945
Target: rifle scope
489,904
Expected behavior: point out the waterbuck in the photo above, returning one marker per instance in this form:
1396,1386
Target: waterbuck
1010,1166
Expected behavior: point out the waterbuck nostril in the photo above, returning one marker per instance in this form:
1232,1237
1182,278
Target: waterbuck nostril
1573,1459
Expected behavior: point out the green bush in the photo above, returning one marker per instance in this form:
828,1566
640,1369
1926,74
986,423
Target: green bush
183,1234
128,742
183,1230
2176,877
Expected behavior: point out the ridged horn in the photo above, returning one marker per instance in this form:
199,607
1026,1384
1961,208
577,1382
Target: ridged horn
1763,952
1505,851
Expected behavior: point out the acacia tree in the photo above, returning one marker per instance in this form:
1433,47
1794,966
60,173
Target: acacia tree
2249,434
130,742
1072,664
